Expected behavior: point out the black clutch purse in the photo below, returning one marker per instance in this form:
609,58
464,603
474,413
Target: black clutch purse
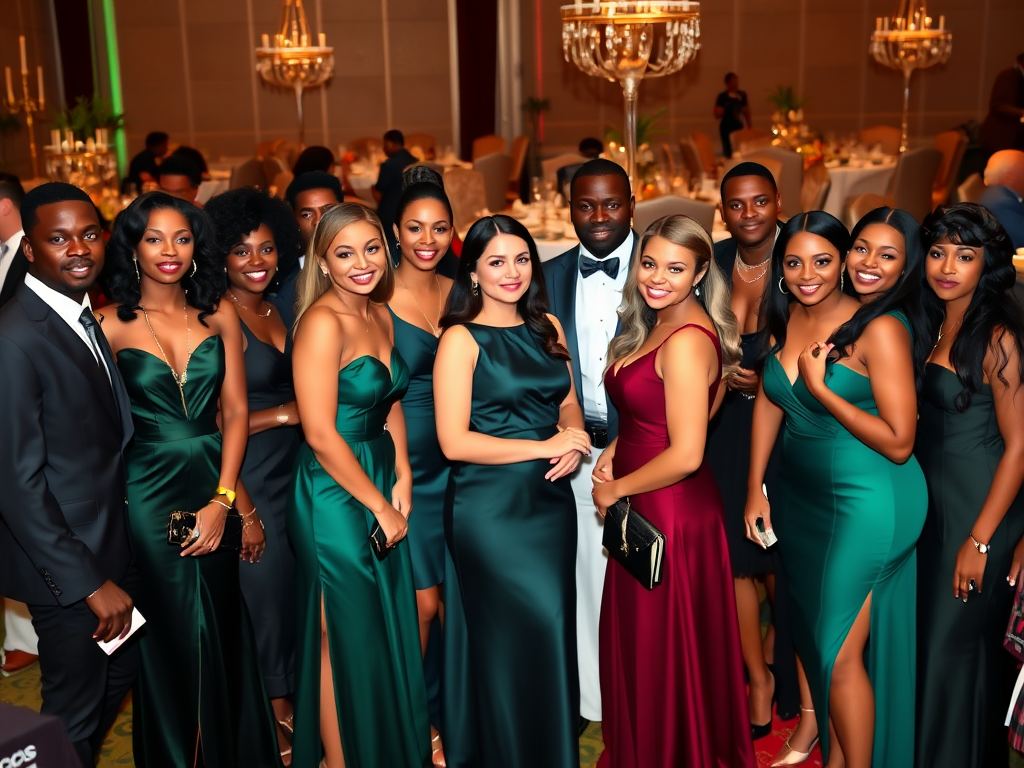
379,542
633,540
181,525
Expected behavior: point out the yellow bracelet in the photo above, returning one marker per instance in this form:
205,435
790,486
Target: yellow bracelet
228,493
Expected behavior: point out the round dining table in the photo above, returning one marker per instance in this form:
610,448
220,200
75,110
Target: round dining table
856,178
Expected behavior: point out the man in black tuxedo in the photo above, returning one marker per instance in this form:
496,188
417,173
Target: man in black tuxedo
13,265
585,289
65,418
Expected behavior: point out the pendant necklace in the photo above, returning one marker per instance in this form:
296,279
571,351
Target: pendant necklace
254,311
179,380
433,328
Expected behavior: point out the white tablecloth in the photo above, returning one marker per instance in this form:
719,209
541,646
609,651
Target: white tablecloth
849,181
208,189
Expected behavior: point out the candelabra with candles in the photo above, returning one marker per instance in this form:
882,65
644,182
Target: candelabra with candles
626,41
291,62
909,41
26,103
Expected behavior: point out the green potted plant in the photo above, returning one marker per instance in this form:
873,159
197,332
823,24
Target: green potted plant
87,115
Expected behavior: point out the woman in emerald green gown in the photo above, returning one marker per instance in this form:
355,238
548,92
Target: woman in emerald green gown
851,499
508,419
199,697
970,442
360,699
424,232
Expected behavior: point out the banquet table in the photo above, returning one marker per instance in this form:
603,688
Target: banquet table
857,178
217,183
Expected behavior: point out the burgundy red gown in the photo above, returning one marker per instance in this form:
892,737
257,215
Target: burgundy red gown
672,687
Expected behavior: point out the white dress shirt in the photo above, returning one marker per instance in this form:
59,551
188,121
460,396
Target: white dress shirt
597,301
68,310
7,251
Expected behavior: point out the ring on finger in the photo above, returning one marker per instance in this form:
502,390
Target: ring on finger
972,585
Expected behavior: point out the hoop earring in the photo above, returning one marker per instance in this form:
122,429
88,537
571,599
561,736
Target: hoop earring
135,261
196,269
841,280
476,288
782,290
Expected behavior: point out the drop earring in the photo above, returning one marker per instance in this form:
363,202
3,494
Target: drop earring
476,288
782,290
135,261
196,269
841,280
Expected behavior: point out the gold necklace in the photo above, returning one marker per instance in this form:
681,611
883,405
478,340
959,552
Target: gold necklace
179,380
254,311
740,266
433,328
941,334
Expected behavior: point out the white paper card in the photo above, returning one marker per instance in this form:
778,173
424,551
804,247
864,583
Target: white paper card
111,646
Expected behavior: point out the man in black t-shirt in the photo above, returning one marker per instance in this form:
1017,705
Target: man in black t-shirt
388,188
143,167
732,109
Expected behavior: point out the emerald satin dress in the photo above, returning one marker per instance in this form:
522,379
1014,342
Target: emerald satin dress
511,690
370,606
199,679
965,676
848,519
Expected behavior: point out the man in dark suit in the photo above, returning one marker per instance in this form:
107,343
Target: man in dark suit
309,195
388,188
1004,189
65,418
13,265
584,290
1003,128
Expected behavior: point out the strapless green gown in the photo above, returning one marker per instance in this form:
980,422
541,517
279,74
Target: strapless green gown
370,606
848,520
511,690
199,678
965,676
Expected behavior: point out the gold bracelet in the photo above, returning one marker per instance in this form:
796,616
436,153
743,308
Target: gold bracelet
226,493
247,514
247,524
218,501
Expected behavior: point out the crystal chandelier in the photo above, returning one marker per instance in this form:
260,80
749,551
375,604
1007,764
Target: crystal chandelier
626,41
908,41
292,61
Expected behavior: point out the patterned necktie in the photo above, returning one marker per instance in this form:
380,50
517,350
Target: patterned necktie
589,266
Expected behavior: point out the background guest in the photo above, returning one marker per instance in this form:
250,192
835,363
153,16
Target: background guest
143,167
196,157
359,687
200,695
178,176
309,195
591,148
259,240
970,442
64,542
388,188
13,264
1004,190
671,673
1003,128
584,287
851,500
732,110
314,158
508,418
751,205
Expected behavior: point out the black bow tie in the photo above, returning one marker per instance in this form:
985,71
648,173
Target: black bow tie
589,266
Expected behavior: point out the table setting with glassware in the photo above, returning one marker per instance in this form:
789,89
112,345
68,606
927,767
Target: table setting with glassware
854,170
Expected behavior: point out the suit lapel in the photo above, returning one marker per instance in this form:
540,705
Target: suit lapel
565,291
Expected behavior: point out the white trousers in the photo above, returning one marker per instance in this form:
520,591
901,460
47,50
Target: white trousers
18,626
591,562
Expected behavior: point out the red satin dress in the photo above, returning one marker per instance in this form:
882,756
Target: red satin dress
672,687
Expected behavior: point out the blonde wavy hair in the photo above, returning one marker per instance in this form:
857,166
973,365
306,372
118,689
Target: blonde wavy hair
637,318
312,283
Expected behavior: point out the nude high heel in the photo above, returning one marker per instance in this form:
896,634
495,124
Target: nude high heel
789,756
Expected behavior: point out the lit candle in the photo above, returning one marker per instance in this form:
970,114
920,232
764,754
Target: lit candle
942,22
69,137
55,139
885,24
99,136
323,40
24,57
39,75
10,87
304,40
878,24
265,39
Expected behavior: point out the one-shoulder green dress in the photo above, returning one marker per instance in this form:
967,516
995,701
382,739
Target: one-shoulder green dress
370,605
848,520
199,694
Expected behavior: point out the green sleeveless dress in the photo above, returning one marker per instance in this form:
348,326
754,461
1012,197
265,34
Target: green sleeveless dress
511,690
199,678
848,520
370,606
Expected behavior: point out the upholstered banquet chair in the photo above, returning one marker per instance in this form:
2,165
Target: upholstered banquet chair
910,189
549,168
952,145
814,190
691,160
364,146
749,140
706,152
424,141
520,146
971,190
885,135
649,211
248,174
487,145
495,169
467,194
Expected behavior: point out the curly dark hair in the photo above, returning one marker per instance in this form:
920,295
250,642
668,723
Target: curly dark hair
463,306
203,289
993,314
238,212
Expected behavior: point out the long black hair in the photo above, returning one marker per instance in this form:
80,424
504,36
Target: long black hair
904,296
775,304
237,212
463,306
993,314
203,290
